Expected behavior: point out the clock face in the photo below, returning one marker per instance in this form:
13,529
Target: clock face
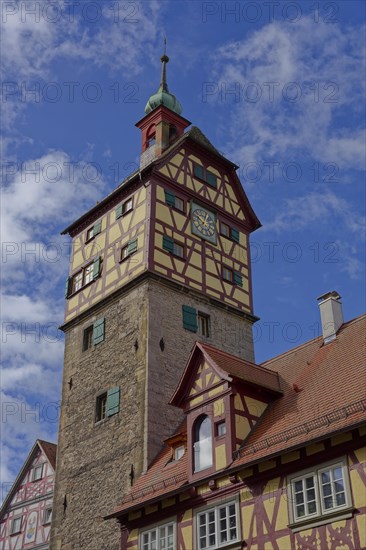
204,223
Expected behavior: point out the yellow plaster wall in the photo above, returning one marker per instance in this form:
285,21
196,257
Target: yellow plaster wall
255,407
242,427
220,457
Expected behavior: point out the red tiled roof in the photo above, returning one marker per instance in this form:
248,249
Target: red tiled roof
50,450
324,392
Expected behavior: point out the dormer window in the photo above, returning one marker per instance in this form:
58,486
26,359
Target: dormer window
178,452
202,444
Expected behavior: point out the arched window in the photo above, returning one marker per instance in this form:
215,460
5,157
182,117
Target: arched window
150,136
202,444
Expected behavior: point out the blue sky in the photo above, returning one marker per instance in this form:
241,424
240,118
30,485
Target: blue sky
277,87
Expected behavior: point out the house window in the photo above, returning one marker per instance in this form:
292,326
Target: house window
86,275
218,526
93,231
107,404
47,516
220,429
128,250
203,324
16,525
229,232
170,245
205,175
202,444
37,472
88,338
159,538
150,136
316,493
172,200
178,452
124,208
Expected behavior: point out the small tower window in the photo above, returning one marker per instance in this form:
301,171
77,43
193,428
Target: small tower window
172,133
150,136
202,444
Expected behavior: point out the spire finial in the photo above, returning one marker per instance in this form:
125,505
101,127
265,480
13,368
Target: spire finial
164,59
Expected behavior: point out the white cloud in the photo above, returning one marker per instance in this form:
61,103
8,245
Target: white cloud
324,63
320,207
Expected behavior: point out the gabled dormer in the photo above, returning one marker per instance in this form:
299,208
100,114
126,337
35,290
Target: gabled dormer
223,397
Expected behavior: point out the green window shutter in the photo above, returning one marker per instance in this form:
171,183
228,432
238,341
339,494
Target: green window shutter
238,279
118,211
67,287
198,171
169,198
132,246
97,228
98,331
211,179
168,243
113,401
96,267
234,234
189,318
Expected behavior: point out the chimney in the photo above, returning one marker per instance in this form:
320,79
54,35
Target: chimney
331,315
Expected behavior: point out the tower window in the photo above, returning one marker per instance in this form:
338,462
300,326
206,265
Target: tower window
170,245
229,232
88,338
123,208
150,137
172,200
107,404
93,231
128,250
203,324
202,444
227,274
201,173
86,275
101,407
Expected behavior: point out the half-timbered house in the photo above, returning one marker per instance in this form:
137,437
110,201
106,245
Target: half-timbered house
26,513
269,457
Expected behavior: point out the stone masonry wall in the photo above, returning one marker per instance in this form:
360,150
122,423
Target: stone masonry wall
94,460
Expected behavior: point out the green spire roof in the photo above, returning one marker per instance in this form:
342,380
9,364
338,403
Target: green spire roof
163,96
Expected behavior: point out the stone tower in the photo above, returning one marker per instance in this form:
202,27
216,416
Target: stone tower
159,263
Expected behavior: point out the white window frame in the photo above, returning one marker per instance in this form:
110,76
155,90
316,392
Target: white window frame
47,521
127,206
156,529
321,514
34,478
178,452
216,508
14,531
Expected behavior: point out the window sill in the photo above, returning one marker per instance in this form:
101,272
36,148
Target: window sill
308,523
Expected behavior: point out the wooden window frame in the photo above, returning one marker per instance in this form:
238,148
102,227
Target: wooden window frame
88,337
206,174
101,407
131,247
39,466
229,270
47,521
321,516
215,508
93,231
205,320
95,266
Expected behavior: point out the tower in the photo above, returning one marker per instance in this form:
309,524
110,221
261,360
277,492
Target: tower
159,263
